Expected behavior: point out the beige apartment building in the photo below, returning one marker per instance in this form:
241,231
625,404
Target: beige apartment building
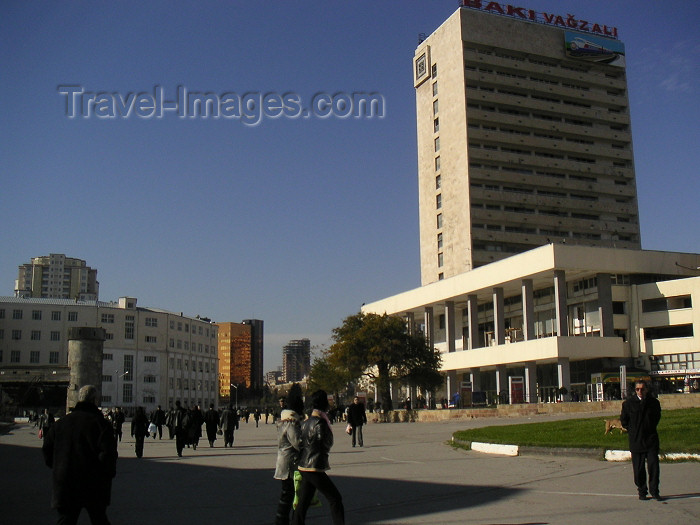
59,277
151,356
524,138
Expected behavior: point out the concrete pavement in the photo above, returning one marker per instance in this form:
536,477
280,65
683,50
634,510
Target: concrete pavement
405,474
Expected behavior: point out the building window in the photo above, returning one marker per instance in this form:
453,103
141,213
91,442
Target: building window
2,313
56,315
152,321
437,144
441,260
436,125
438,182
14,356
16,314
151,339
435,89
438,201
36,315
171,343
129,327
435,107
16,335
53,357
109,336
55,335
663,304
36,335
128,368
434,70
108,318
439,241
72,316
437,163
107,357
128,393
439,220
150,359
149,378
34,357
668,332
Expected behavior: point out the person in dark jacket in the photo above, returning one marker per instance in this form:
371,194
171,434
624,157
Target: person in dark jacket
118,419
640,415
158,419
228,424
46,421
356,418
316,443
82,451
139,430
179,427
211,423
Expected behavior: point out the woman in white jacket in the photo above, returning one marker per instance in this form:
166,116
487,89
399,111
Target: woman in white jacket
288,449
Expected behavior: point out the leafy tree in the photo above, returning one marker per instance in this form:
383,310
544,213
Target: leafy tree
380,348
326,375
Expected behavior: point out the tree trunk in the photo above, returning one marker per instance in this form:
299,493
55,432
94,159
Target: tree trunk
383,386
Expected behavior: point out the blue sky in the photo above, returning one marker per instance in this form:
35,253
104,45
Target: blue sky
296,221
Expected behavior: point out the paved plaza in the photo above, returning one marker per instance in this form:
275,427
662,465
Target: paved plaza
406,473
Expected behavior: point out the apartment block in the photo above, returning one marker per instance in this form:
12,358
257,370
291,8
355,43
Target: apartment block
524,139
58,277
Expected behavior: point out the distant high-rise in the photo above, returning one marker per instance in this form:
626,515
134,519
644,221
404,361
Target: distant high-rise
296,360
56,276
524,138
240,355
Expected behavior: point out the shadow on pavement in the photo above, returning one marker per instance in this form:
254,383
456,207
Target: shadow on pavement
149,491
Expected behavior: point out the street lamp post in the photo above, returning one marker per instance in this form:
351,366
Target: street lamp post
234,386
116,397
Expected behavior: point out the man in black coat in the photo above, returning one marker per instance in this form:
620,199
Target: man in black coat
82,451
356,418
640,415
158,419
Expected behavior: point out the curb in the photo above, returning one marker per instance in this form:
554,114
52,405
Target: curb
594,453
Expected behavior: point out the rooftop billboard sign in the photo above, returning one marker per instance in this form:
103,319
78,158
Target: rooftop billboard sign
566,22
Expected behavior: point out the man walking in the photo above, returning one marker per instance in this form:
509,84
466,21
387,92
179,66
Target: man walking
158,419
228,423
356,418
82,451
640,415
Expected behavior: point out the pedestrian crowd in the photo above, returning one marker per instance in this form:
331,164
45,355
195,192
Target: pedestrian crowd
81,450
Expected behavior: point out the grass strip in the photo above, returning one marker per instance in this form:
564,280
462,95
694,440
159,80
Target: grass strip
679,431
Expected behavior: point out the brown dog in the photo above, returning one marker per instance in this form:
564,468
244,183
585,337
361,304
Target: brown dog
611,424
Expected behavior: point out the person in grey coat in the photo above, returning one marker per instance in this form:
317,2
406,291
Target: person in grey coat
288,450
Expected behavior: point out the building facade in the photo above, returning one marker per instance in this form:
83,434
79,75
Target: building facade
561,316
524,138
58,277
296,360
240,350
534,286
151,356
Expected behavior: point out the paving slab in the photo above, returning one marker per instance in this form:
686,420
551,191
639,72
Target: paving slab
405,474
